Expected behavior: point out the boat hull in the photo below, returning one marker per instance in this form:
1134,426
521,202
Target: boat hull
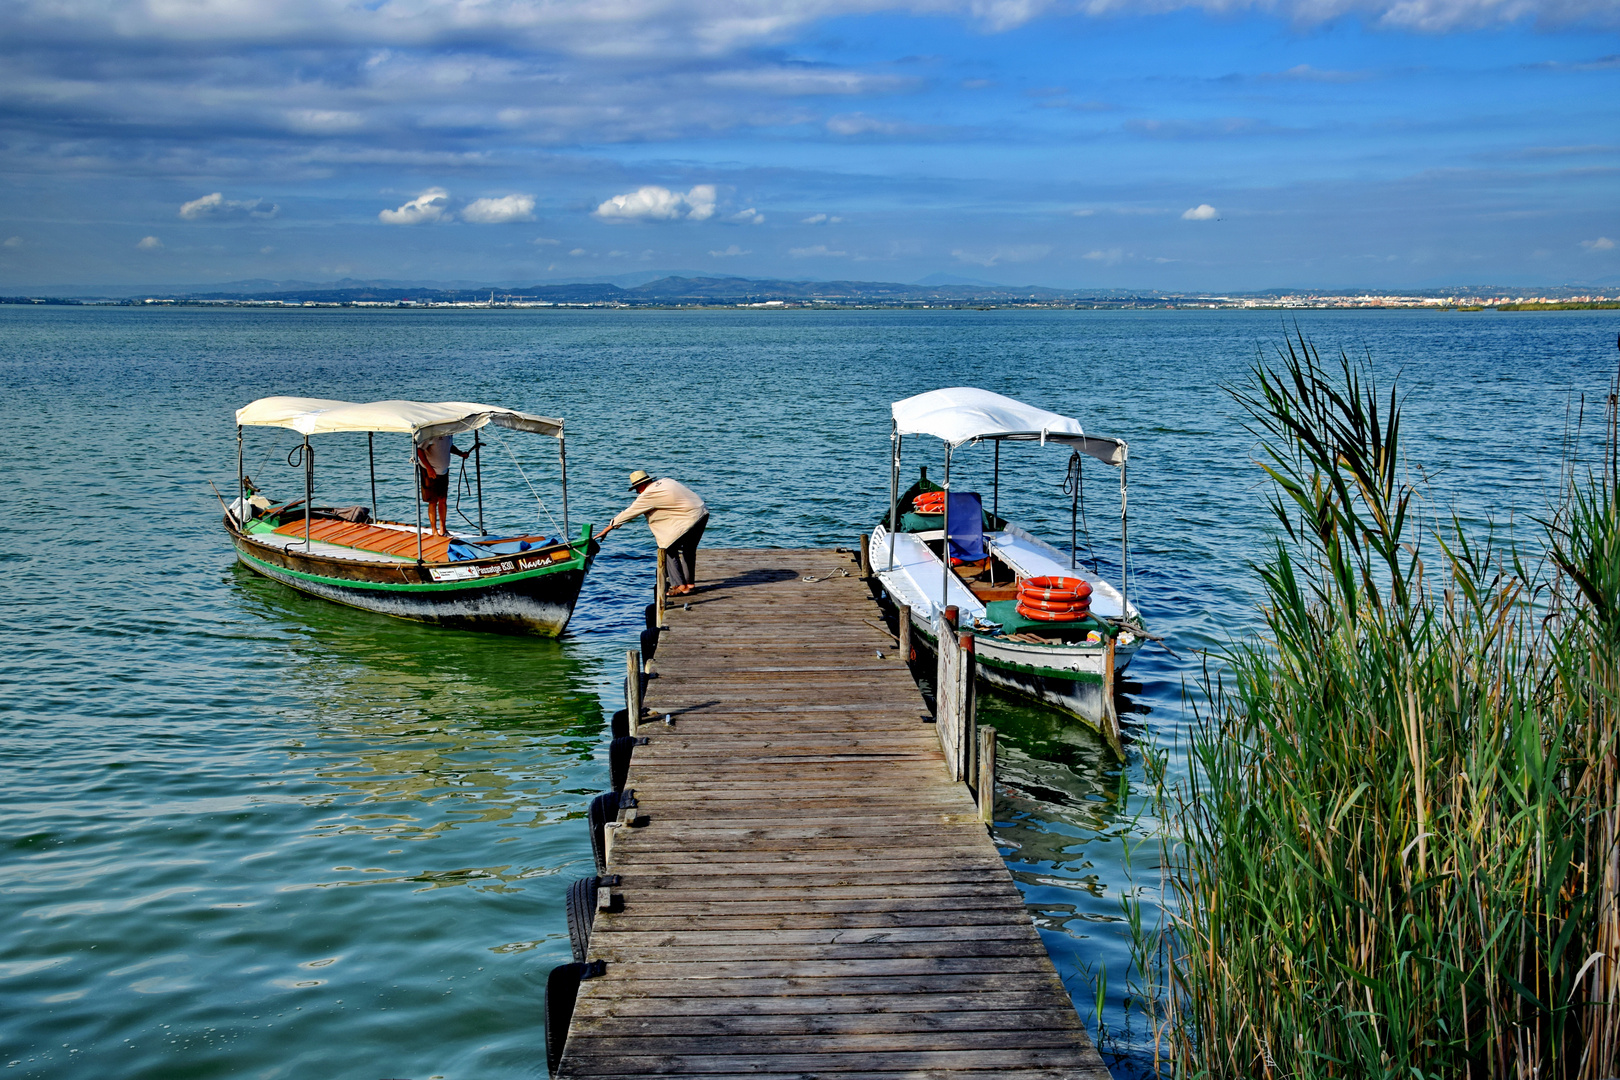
1073,680
534,593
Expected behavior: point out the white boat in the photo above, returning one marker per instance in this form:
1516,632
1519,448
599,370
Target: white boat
1070,664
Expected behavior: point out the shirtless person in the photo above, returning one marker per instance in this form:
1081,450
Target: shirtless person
676,515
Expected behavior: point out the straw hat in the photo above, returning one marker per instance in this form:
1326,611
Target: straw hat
639,477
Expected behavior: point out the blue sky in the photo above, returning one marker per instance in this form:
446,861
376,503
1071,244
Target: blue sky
1223,145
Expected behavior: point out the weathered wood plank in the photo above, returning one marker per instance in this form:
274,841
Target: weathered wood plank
809,894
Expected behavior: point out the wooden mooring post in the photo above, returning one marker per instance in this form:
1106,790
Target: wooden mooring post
805,886
632,688
661,588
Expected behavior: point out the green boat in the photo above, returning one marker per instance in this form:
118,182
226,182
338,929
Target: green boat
527,583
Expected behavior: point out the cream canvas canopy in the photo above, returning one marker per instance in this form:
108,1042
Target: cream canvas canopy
424,421
964,414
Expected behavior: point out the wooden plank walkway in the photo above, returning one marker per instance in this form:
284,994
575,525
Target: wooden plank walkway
810,896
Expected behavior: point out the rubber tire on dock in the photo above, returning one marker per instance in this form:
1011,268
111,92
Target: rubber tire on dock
562,991
581,906
621,723
604,808
619,751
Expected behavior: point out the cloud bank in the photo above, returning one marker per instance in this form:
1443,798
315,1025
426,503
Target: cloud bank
216,206
427,207
653,203
499,211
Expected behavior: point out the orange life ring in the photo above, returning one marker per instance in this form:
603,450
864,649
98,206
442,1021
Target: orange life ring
1055,585
1039,604
1049,616
1060,590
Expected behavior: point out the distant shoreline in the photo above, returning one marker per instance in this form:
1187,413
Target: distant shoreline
1325,303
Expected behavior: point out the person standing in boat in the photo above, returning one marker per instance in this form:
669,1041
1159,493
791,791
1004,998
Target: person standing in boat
433,462
676,515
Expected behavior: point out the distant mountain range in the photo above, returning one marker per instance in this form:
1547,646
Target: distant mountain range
689,288
665,290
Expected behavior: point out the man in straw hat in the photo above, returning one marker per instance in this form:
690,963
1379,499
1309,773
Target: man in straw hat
676,515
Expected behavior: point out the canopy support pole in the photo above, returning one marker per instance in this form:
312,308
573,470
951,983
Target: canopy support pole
478,471
309,489
1124,549
371,459
241,488
562,461
995,485
945,540
416,462
1074,513
894,486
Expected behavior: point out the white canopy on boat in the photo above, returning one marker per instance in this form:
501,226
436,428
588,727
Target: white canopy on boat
422,420
963,414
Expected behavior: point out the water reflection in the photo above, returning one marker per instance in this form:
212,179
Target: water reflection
417,731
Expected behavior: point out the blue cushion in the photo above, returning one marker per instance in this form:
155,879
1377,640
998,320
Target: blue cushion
964,526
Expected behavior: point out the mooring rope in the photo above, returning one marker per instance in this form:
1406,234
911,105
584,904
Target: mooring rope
541,502
837,571
1074,486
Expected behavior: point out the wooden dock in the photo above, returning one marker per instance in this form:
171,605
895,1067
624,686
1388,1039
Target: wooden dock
810,894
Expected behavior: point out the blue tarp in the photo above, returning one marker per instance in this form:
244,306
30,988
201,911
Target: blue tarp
484,546
964,526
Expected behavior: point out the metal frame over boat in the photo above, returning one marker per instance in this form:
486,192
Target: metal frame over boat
518,584
1071,666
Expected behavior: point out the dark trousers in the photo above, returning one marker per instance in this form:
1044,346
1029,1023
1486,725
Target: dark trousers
681,556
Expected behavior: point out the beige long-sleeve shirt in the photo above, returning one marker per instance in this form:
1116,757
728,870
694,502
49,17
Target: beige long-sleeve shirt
671,508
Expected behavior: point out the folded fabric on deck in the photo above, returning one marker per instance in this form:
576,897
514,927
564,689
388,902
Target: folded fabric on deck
462,549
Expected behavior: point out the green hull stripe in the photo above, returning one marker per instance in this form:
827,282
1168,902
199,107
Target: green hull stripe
426,586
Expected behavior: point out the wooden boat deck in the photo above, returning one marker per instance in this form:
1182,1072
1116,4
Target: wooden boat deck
396,540
811,894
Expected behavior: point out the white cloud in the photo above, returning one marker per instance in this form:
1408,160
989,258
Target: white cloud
149,243
1201,212
820,219
749,216
861,124
1602,243
1011,253
544,241
1111,257
577,252
13,242
818,251
428,206
801,81
499,211
324,121
654,203
729,252
216,205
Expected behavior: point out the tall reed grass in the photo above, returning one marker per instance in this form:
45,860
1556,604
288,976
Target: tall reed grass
1398,855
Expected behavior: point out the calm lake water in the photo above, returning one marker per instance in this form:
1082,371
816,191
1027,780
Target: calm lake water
249,834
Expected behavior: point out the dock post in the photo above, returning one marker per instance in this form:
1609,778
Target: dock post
1110,715
662,586
903,632
987,775
967,729
866,556
632,688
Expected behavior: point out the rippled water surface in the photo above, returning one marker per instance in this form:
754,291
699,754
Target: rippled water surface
250,834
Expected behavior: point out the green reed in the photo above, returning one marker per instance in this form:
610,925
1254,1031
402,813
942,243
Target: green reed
1398,856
